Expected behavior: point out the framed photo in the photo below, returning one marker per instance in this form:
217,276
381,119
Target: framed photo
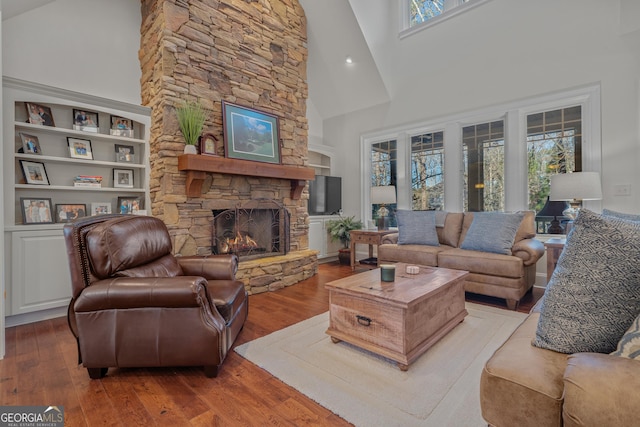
250,134
123,178
124,153
34,172
79,148
99,208
85,120
208,144
129,205
30,144
36,210
39,114
69,212
121,126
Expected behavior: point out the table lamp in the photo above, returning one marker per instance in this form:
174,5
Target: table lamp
383,195
574,188
554,209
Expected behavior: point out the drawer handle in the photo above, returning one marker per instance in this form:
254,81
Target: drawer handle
364,321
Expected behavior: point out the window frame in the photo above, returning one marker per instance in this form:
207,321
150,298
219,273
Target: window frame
514,115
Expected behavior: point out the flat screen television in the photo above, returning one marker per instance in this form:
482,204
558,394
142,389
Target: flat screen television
325,195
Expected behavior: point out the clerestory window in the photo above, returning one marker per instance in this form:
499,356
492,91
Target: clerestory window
418,14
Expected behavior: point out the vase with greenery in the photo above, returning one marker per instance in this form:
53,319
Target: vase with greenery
339,230
191,117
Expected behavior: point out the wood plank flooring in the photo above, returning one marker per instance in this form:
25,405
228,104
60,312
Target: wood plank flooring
40,368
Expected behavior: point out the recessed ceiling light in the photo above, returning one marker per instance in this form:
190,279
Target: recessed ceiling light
349,60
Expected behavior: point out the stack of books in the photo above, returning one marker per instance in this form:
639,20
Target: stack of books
87,181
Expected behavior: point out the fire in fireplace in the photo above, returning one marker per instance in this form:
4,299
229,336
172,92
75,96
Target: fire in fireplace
254,229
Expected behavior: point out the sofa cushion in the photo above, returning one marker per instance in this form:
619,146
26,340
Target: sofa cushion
411,254
449,234
594,293
481,262
630,217
417,228
492,232
521,385
629,345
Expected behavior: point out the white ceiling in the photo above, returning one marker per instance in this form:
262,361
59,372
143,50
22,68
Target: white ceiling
333,31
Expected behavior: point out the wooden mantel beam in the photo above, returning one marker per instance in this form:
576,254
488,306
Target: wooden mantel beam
196,167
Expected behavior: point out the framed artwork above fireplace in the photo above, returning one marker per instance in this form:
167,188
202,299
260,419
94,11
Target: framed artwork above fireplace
250,134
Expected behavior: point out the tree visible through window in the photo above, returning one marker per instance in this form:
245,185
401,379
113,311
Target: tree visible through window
422,10
554,145
384,163
427,171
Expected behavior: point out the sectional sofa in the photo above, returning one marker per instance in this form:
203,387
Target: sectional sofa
509,275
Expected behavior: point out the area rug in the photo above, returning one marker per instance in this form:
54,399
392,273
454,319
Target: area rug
441,388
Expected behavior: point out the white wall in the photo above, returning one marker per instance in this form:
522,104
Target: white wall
88,46
505,51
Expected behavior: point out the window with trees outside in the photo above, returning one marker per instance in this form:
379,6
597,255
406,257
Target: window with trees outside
421,11
427,171
504,163
384,164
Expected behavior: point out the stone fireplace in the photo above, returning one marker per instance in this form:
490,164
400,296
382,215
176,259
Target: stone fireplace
252,230
247,52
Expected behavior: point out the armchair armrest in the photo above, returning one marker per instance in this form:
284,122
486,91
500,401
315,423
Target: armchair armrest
529,250
138,292
601,389
389,238
212,267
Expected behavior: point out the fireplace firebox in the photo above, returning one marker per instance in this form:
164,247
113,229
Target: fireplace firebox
253,229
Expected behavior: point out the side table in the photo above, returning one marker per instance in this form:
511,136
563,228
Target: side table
554,249
366,237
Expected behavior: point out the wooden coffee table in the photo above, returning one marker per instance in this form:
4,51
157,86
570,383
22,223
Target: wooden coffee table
399,320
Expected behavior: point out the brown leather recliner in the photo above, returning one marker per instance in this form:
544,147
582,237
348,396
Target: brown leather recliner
136,305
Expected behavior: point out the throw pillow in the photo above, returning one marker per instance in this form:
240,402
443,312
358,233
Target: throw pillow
492,232
417,228
629,345
594,292
630,217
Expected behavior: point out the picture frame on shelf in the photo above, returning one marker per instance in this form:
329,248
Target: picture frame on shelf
124,153
30,144
34,172
129,204
250,134
80,148
39,114
121,126
123,178
100,208
68,212
36,210
208,144
86,121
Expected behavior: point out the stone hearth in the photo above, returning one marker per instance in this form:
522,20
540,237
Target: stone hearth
251,53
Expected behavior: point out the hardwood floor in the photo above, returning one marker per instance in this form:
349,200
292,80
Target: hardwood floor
40,368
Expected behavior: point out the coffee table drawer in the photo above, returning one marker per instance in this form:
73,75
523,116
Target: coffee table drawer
367,320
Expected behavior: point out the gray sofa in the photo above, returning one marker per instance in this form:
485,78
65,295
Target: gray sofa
497,275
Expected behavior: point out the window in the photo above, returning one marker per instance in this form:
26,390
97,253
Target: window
419,14
554,145
483,159
427,171
498,158
384,165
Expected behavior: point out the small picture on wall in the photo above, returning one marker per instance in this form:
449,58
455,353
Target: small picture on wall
36,210
86,121
99,208
121,126
69,212
30,144
39,114
79,148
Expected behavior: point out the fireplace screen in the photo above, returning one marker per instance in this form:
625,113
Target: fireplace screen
254,229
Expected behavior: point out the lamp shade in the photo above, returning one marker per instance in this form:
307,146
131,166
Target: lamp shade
576,186
384,194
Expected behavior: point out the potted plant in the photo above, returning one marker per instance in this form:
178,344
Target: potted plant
339,230
191,117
